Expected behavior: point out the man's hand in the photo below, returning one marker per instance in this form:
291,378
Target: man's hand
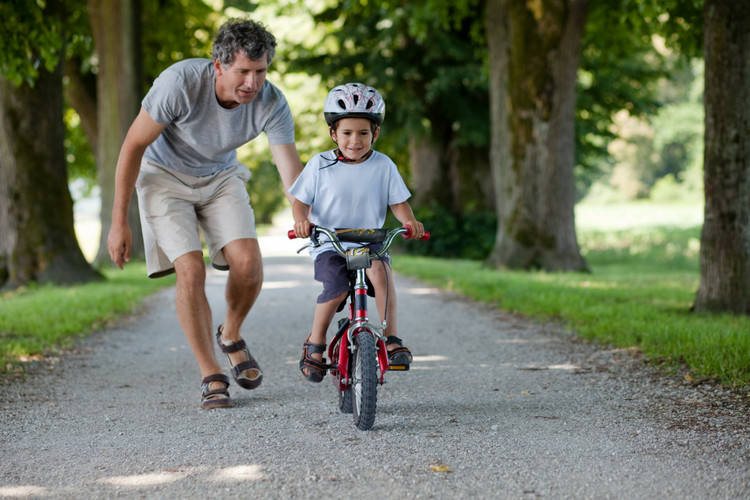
119,242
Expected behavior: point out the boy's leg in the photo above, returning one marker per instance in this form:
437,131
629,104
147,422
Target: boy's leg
379,275
324,314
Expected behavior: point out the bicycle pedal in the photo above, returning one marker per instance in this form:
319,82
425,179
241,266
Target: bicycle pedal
399,368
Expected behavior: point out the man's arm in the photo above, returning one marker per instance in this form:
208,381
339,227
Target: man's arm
142,132
289,165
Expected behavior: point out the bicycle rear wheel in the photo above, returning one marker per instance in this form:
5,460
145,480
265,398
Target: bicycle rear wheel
364,390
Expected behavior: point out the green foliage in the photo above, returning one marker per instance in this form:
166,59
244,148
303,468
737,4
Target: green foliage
679,22
265,190
188,34
41,319
466,235
660,156
639,294
78,154
431,75
620,70
31,35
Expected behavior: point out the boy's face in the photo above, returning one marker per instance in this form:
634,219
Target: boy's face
354,137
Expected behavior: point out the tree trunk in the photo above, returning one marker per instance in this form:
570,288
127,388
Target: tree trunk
534,57
37,241
725,240
116,25
454,178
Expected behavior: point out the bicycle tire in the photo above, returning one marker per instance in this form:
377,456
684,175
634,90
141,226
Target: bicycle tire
345,401
364,388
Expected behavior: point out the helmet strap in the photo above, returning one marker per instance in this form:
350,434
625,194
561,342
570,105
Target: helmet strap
340,156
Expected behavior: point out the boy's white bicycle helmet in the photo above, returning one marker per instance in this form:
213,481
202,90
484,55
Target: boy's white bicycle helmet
354,100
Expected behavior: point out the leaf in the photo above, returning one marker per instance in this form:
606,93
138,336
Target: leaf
525,393
440,468
689,378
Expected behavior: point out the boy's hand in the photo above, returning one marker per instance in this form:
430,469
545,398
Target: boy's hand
302,229
417,229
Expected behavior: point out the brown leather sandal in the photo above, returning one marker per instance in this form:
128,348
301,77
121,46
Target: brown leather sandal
216,398
316,370
238,371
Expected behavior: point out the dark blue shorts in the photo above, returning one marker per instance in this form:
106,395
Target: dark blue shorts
330,269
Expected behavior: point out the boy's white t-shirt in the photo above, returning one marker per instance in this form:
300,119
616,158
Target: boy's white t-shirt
343,195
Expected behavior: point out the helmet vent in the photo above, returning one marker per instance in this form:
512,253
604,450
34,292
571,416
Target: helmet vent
341,104
356,99
369,105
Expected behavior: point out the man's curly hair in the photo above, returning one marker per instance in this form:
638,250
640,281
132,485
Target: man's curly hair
248,36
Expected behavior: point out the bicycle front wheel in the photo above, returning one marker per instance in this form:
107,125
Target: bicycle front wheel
364,380
345,401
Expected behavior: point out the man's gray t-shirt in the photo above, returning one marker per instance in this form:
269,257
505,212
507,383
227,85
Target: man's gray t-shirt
345,195
202,137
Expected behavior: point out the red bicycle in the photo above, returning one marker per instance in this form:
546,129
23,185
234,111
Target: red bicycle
359,358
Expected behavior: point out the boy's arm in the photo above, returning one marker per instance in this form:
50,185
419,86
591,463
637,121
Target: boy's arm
300,212
405,216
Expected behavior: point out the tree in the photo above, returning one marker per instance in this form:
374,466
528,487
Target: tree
534,172
725,240
431,74
36,212
116,27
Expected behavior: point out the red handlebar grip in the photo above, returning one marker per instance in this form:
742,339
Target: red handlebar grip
291,234
407,234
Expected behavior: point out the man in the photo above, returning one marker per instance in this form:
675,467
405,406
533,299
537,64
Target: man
180,155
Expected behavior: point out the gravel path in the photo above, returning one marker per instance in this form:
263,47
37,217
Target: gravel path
513,409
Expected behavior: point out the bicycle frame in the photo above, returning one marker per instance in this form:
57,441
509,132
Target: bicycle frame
357,323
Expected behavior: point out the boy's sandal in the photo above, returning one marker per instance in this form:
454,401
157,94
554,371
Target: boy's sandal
238,372
400,355
316,370
216,398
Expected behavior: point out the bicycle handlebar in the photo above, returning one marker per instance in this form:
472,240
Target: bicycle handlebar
406,234
405,231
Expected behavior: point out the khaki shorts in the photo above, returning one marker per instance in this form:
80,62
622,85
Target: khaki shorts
174,205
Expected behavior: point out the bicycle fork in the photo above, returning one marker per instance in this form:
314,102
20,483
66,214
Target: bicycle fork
357,323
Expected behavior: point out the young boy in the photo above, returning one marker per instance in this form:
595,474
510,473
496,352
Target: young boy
350,187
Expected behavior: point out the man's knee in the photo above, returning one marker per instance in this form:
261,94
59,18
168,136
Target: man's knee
244,260
190,270
247,268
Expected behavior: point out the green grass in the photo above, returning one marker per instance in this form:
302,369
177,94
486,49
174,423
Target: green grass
40,320
640,291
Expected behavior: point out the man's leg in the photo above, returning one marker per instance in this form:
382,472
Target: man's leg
193,311
243,286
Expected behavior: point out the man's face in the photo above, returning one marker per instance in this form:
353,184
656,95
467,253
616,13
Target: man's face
239,83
